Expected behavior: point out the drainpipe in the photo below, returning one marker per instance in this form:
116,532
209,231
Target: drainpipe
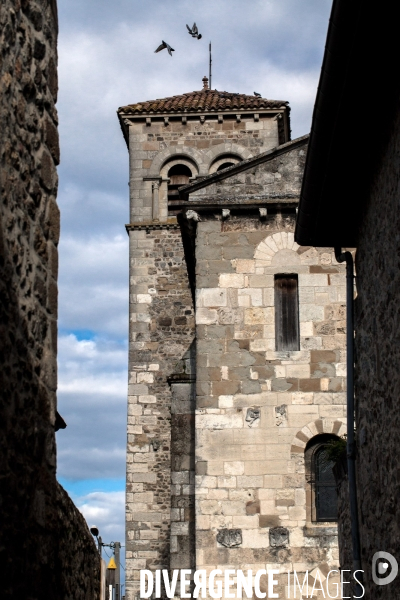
351,445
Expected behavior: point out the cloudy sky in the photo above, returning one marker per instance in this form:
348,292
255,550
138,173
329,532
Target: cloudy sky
106,60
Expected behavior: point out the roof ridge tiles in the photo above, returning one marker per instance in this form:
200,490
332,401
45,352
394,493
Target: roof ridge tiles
203,99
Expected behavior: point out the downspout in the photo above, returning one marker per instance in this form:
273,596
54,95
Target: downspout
351,445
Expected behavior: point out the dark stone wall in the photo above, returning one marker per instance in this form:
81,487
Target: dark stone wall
46,550
377,345
160,358
344,523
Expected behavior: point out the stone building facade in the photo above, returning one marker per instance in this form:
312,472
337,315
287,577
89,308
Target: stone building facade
237,344
46,550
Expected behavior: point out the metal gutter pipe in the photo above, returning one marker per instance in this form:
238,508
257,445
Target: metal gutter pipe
351,444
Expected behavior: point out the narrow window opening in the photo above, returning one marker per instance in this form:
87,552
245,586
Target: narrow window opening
321,484
178,175
287,335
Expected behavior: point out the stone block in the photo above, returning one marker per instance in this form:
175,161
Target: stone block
261,281
232,507
250,481
180,528
225,401
234,468
147,399
243,265
255,316
219,421
227,482
215,467
298,371
254,538
245,522
211,297
269,520
314,280
231,280
311,312
302,398
297,513
273,481
255,467
206,316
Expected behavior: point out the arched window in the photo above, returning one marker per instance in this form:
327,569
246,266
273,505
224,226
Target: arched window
225,165
178,175
322,479
223,162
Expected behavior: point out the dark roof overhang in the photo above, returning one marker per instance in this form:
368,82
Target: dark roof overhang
357,95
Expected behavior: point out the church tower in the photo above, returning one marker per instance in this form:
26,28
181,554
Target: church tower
235,344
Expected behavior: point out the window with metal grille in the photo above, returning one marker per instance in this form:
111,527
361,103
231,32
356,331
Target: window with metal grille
286,312
324,486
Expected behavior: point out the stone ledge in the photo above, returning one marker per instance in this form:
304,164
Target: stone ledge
171,223
317,531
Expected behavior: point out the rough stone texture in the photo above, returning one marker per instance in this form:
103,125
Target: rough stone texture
255,477
255,408
344,522
202,146
159,482
377,344
46,548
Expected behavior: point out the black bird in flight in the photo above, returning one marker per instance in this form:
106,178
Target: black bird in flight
257,95
165,45
194,32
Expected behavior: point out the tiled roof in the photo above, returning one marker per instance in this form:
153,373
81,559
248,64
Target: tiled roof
204,100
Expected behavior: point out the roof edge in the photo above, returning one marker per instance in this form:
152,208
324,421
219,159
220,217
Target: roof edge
244,165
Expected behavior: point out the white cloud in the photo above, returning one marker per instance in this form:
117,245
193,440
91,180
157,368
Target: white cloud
92,399
105,510
93,284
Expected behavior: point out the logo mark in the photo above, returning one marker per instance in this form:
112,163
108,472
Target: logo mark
384,568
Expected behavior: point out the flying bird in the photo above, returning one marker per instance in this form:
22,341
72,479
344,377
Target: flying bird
165,45
194,32
257,95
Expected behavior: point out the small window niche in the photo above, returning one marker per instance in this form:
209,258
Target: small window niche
178,175
287,334
321,492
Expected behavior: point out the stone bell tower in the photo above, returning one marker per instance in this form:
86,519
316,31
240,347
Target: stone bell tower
220,381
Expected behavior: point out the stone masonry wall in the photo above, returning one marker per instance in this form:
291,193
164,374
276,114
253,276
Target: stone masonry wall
161,334
251,472
196,144
46,549
377,383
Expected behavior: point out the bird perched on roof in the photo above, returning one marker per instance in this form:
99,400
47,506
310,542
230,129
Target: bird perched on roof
194,32
165,45
257,95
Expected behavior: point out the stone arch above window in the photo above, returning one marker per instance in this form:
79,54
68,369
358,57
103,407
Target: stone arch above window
332,426
277,249
224,161
178,175
225,149
186,164
171,156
